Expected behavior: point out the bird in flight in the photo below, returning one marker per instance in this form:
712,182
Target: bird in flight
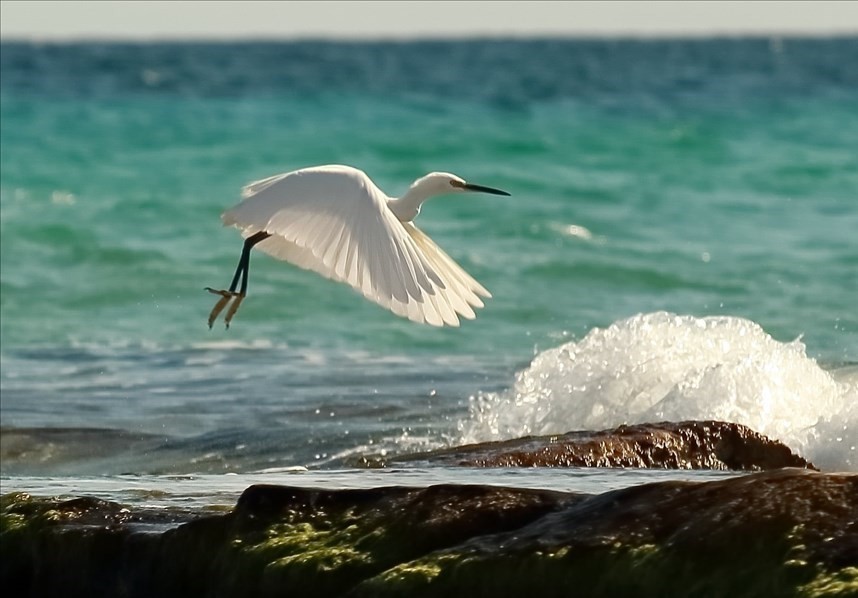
335,221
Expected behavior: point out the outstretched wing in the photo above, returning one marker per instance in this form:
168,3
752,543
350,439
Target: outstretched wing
460,293
335,221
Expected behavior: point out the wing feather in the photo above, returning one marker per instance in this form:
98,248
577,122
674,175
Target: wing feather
260,185
335,221
333,243
429,247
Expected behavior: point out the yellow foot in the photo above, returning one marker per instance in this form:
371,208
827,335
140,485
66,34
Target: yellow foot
232,309
225,296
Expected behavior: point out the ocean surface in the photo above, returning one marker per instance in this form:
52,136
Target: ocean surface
680,243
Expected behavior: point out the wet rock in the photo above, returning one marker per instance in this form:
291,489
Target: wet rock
668,445
781,533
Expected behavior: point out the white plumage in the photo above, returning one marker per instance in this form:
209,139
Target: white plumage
335,221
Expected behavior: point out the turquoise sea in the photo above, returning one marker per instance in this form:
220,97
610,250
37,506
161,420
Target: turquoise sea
680,243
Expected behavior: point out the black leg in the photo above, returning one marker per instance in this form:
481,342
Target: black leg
241,275
244,261
246,276
238,270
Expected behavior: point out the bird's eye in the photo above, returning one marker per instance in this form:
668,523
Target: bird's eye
456,183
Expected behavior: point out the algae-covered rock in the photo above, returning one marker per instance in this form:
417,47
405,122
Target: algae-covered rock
785,533
667,445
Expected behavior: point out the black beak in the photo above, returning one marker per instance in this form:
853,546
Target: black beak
481,189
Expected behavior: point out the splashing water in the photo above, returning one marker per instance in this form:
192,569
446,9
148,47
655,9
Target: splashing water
668,367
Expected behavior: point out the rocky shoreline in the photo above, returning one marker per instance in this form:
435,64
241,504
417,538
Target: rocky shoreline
786,531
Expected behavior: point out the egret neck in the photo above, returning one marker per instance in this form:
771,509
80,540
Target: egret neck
407,207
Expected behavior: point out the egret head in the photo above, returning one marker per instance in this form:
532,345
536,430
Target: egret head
407,207
440,183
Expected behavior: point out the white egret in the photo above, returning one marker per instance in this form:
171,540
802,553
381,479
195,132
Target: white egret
335,221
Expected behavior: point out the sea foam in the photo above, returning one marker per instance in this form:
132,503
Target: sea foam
667,367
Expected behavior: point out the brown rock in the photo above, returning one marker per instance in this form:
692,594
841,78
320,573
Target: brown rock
667,445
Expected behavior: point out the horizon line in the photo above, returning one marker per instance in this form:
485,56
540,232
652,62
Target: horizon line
475,36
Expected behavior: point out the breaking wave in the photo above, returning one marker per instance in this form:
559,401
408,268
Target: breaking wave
667,367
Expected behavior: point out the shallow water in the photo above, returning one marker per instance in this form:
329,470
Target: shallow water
212,491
